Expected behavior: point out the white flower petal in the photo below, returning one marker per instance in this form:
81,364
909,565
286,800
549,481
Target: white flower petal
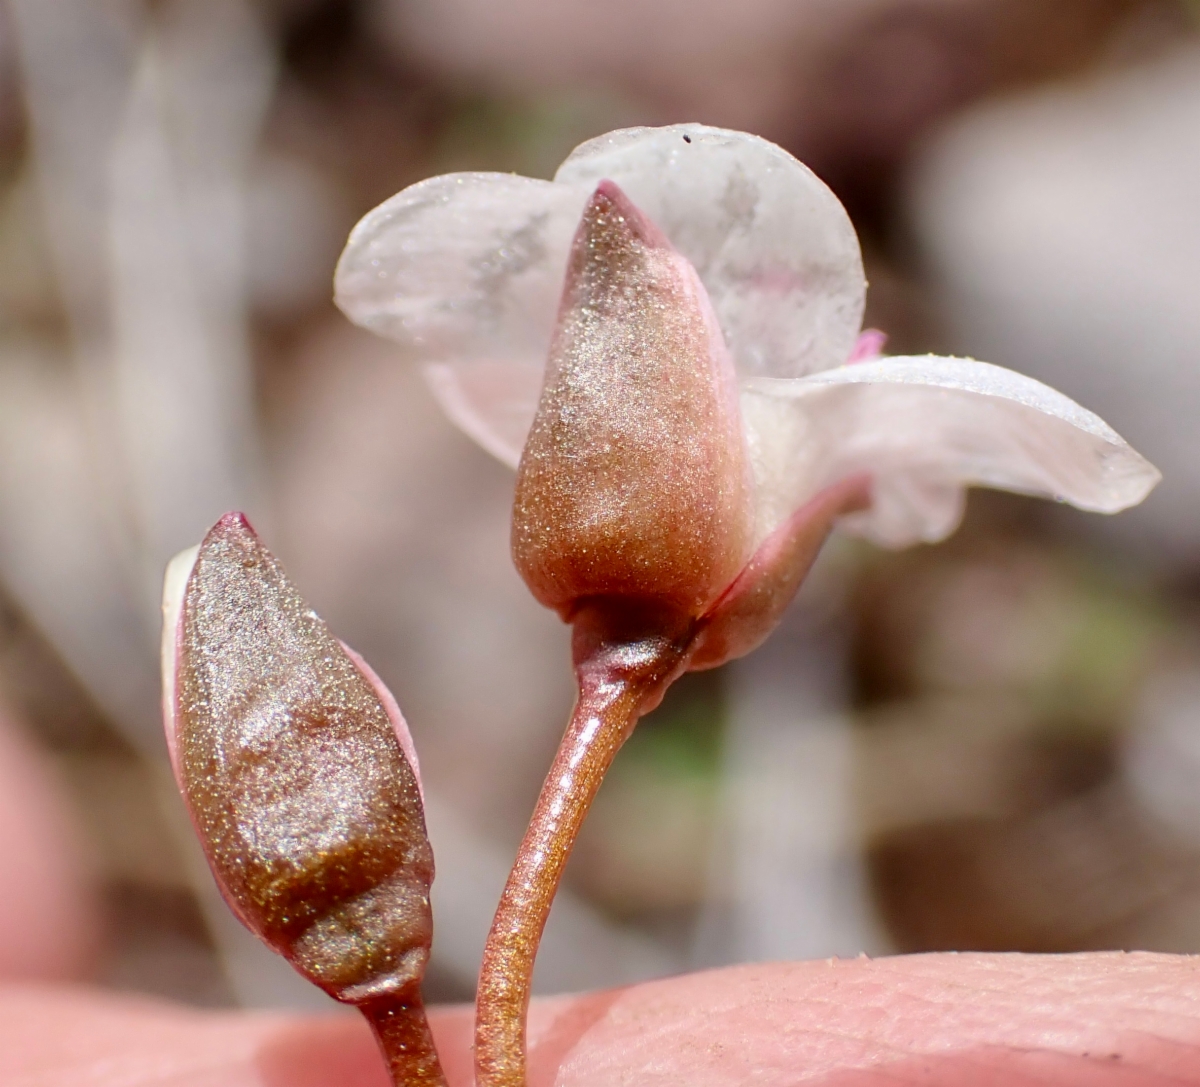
463,266
466,270
925,428
491,402
773,246
179,569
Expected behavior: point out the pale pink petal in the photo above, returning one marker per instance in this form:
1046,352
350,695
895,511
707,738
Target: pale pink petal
493,403
774,247
463,266
466,271
925,428
870,345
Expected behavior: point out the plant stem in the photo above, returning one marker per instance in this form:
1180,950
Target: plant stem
403,1034
596,732
617,683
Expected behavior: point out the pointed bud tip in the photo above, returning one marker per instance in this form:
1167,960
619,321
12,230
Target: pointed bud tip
634,480
609,205
609,194
233,523
335,832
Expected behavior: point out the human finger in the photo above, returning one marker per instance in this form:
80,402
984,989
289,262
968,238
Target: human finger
48,915
1093,1020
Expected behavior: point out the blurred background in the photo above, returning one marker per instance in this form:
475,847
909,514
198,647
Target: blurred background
988,744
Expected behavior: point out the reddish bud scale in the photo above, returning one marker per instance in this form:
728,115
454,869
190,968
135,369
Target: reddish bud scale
633,482
754,604
309,813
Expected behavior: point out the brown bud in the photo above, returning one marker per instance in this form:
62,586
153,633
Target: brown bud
308,810
634,480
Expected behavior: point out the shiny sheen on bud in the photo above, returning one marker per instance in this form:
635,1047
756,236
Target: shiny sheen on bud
634,481
299,774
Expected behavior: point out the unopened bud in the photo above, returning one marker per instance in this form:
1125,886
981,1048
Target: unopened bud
634,481
287,754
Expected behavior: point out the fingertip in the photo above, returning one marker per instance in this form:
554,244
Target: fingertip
49,915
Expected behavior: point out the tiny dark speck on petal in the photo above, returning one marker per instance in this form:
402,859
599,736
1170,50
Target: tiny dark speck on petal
687,138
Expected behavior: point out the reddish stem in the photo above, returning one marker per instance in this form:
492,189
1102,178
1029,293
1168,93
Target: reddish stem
403,1034
621,675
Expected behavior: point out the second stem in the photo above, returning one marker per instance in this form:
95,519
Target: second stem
618,681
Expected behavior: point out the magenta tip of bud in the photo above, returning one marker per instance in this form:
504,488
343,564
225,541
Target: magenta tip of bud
609,195
610,190
235,521
870,345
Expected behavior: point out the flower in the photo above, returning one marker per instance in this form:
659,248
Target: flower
467,271
665,342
